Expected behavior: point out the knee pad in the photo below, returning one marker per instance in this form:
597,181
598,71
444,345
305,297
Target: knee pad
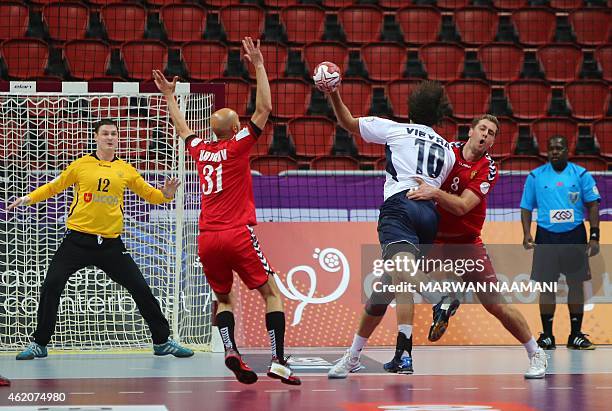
379,301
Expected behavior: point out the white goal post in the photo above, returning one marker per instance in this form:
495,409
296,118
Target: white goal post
45,126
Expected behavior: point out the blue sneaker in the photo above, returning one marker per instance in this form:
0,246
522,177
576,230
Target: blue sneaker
402,366
32,351
172,347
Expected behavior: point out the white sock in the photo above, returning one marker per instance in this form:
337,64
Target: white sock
405,329
358,343
531,346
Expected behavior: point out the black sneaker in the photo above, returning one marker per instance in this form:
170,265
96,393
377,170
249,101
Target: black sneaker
547,342
579,342
441,317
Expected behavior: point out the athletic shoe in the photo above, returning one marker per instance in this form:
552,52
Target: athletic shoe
280,370
441,316
402,366
579,342
345,365
537,365
33,351
243,372
172,347
4,382
547,342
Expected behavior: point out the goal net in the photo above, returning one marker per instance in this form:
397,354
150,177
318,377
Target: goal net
40,134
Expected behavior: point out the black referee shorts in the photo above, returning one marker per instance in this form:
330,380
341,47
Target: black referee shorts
561,253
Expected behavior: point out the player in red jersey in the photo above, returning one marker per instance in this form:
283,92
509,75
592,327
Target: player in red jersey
462,206
227,242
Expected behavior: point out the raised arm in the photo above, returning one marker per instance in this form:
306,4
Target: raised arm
344,116
167,89
263,98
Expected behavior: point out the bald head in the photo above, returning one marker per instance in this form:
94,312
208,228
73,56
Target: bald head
225,123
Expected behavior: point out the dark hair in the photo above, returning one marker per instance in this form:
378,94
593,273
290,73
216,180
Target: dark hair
104,122
558,137
428,103
489,117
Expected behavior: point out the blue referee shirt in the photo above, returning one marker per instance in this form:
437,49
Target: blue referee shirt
559,197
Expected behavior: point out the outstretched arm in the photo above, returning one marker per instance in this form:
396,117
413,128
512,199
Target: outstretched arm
263,98
167,89
59,184
344,116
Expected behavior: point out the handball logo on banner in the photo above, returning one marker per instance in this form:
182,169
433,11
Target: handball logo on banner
331,260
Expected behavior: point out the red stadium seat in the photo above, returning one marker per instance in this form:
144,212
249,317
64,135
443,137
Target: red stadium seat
204,60
183,22
398,92
357,95
66,21
602,130
529,99
105,2
520,163
501,62
545,128
289,98
124,21
280,3
369,150
87,59
565,4
159,3
264,141
452,4
243,20
469,98
591,163
316,52
237,94
420,25
275,56
476,25
603,54
273,165
535,26
312,136
447,128
361,24
15,18
139,67
506,139
591,26
384,61
509,4
588,99
294,19
442,61
331,163
561,62
391,4
11,139
25,58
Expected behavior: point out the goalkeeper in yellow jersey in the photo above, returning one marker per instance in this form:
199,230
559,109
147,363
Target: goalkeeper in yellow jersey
93,237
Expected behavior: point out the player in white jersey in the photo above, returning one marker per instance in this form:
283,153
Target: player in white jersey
413,151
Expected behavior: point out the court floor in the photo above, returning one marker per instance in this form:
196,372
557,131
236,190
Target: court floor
445,379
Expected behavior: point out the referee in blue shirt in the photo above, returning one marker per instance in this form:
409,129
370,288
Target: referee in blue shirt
560,190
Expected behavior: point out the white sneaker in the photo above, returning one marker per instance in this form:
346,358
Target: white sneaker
344,366
537,365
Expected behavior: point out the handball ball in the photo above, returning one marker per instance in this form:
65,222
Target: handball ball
326,77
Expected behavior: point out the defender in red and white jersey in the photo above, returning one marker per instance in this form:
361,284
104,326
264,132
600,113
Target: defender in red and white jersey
461,203
227,242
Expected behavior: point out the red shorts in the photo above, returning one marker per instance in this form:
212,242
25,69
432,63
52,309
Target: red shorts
479,271
236,249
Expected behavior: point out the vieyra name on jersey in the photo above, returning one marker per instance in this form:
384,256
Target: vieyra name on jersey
213,157
434,138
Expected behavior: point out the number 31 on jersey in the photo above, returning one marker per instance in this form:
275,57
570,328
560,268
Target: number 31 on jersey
212,179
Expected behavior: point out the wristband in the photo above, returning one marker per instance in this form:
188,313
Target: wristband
595,233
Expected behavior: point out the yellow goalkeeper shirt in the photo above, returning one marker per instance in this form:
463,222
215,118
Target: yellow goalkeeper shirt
97,206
